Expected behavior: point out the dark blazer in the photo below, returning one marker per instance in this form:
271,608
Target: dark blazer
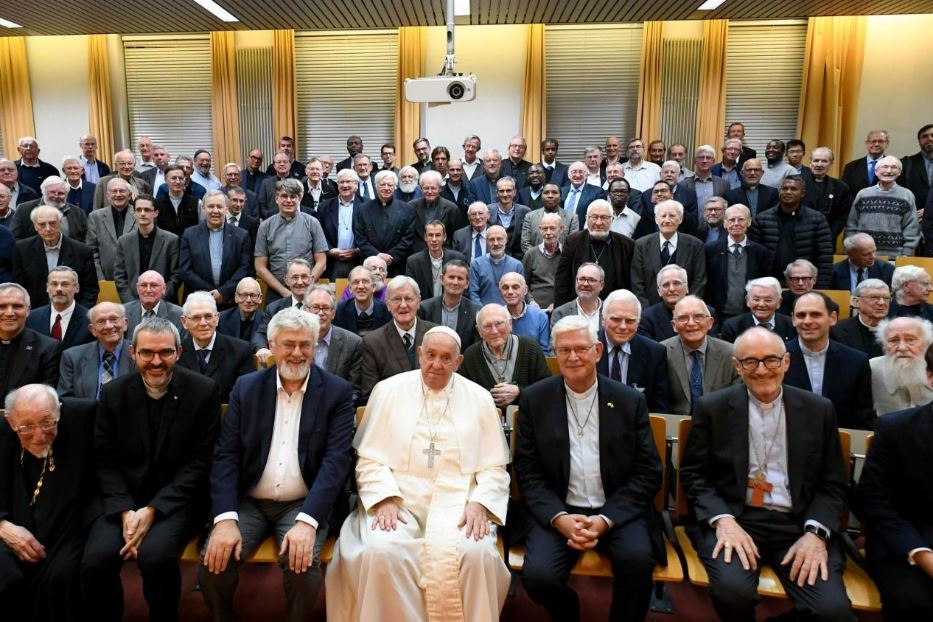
418,267
558,175
894,498
328,213
588,194
229,323
261,321
757,264
78,333
308,203
168,472
714,469
513,245
296,169
346,314
345,357
855,174
735,326
251,181
914,177
846,382
78,375
524,198
578,250
879,270
646,262
444,211
647,370
187,215
23,227
530,365
833,199
431,309
249,224
384,353
629,464
388,228
463,242
324,436
518,172
851,332
102,169
720,187
36,359
230,358
83,198
686,196
7,250
194,260
479,187
462,201
655,322
149,176
25,194
30,269
767,197
266,193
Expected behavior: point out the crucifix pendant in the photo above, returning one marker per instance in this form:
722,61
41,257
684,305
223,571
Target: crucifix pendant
579,432
501,378
430,452
759,486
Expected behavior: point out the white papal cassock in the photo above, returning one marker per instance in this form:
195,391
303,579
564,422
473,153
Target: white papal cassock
427,569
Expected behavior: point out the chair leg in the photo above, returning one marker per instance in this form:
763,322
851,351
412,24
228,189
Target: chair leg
513,585
660,601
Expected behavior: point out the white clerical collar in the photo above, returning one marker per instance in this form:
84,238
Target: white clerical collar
765,405
582,396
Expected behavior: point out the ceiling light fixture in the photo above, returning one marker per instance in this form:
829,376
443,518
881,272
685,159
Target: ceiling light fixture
710,5
462,8
216,10
8,24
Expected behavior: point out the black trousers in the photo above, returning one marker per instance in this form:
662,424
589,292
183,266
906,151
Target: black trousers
548,562
157,561
906,591
47,590
734,590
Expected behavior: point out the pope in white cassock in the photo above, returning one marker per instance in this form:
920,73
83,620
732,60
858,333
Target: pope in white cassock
433,485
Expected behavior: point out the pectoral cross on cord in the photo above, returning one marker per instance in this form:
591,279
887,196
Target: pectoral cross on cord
759,486
430,452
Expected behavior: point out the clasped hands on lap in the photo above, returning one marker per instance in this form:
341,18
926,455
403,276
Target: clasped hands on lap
807,557
582,532
225,540
474,521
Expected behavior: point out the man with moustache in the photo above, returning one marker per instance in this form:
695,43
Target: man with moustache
898,377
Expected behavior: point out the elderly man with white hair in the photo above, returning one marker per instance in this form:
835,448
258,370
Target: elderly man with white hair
407,188
336,215
872,300
898,377
911,287
705,184
861,263
429,207
32,170
763,299
385,226
888,212
433,488
80,190
54,194
124,163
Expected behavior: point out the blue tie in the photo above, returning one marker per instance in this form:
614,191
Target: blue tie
572,200
871,172
477,247
696,377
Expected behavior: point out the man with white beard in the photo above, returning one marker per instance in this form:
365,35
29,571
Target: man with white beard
408,189
898,378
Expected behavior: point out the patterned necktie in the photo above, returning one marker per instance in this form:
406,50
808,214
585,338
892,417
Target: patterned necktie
666,253
409,344
202,359
107,375
148,314
696,376
768,325
871,172
616,372
57,327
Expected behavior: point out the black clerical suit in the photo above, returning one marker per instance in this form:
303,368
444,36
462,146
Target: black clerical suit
894,500
631,475
647,370
159,457
614,255
715,471
385,228
229,359
49,589
27,358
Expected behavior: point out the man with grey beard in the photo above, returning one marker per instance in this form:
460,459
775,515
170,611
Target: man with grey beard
898,378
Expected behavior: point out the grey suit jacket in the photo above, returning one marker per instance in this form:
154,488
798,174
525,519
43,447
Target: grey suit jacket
720,188
100,192
345,357
166,310
163,259
531,236
384,354
568,308
718,371
646,262
102,238
463,242
78,370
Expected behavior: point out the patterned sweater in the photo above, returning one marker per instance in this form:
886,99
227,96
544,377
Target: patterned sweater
889,217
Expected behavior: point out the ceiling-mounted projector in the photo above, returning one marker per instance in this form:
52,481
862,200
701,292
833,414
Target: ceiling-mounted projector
441,89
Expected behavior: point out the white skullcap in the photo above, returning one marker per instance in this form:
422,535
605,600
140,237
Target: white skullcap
445,330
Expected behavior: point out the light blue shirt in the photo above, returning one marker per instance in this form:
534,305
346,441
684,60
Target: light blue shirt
534,323
345,237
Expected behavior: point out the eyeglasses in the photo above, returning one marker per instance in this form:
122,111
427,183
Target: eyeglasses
403,299
103,321
249,295
587,279
566,351
751,363
696,318
319,308
875,299
204,317
488,326
800,279
599,217
30,428
148,355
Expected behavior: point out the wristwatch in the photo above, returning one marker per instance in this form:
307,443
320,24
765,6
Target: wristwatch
819,532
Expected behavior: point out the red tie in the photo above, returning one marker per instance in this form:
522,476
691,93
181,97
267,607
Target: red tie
57,327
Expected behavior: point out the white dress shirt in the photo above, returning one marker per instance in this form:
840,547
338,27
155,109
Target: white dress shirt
66,317
585,486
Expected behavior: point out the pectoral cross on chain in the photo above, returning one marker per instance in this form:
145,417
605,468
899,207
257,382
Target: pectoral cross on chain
430,452
759,486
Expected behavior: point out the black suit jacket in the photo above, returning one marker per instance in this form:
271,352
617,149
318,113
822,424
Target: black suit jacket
851,332
894,498
832,198
78,333
346,315
388,228
444,211
36,359
83,198
767,198
714,468
308,204
647,370
513,245
879,270
418,267
914,177
167,471
230,358
187,215
26,194
229,324
655,322
686,195
266,193
557,176
324,435
735,326
30,269
251,226
757,264
629,464
194,260
846,382
577,250
328,213
431,310
855,174
462,201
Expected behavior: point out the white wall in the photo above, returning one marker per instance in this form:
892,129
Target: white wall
58,77
897,81
496,54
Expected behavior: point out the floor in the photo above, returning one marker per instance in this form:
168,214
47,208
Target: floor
260,598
